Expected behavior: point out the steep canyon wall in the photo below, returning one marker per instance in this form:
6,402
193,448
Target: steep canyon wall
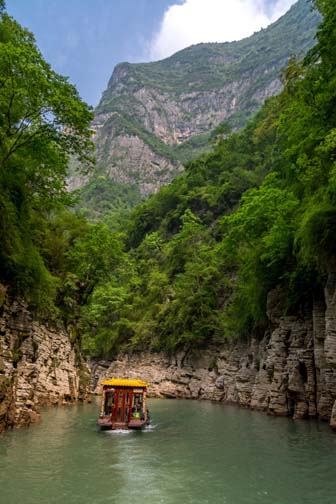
38,366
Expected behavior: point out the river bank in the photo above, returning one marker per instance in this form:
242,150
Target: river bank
289,372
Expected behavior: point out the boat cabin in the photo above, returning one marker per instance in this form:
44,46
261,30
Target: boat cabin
123,404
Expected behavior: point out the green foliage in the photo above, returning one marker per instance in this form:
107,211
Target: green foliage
315,238
222,131
37,106
105,313
255,214
258,242
42,123
195,262
103,198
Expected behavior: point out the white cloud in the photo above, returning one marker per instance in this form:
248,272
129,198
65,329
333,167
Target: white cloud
212,21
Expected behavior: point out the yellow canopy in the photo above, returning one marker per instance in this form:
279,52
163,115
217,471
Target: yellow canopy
123,382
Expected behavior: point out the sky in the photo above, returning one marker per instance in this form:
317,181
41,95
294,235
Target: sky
85,39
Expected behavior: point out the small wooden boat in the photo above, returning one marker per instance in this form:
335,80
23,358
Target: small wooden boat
123,404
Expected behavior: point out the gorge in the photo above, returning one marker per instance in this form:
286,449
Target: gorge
220,285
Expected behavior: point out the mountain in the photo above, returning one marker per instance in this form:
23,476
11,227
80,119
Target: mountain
155,116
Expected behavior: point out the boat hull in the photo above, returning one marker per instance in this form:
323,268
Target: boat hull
133,424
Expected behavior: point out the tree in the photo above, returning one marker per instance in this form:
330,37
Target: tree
38,107
43,123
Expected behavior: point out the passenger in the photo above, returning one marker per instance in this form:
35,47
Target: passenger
137,410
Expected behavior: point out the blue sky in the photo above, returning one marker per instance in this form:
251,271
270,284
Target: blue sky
85,39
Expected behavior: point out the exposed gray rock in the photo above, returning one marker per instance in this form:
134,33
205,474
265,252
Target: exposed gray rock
128,159
38,367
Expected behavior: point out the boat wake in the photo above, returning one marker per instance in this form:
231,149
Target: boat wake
149,428
118,431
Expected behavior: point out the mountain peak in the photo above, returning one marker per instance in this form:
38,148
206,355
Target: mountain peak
155,116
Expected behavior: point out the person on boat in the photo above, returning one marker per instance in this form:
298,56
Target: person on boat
136,410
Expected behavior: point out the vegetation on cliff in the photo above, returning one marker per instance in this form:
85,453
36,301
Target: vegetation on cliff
193,263
256,213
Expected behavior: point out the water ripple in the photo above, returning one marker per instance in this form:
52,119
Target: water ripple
196,453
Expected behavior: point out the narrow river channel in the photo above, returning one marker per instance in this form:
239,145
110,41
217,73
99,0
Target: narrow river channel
195,452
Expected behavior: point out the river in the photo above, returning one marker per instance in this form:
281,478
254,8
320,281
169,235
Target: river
194,452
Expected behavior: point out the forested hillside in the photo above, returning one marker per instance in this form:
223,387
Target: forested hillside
255,214
194,263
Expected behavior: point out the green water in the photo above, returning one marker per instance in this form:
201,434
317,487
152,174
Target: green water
195,452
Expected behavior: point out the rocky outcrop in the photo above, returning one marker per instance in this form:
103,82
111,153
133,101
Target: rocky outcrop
290,372
38,366
129,160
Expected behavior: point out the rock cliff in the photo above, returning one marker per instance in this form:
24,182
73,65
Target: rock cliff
38,366
155,116
291,371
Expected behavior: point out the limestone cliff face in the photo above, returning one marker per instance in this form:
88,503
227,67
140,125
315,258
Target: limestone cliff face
38,366
131,160
154,116
290,372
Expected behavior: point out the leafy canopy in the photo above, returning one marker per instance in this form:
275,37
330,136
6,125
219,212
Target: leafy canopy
43,122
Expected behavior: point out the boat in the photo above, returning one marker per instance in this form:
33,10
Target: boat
123,404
